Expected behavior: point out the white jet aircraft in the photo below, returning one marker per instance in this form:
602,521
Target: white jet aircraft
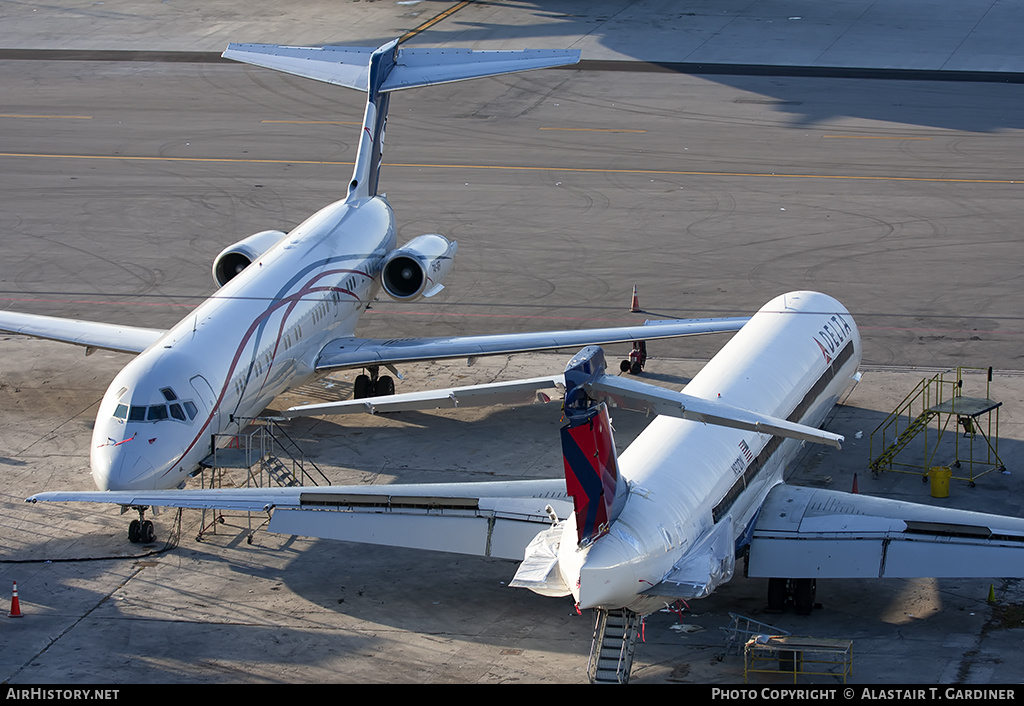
666,520
288,304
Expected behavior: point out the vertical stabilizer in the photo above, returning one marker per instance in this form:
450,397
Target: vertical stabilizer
591,473
588,450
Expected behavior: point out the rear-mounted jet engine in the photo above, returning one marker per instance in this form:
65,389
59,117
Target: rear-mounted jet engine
416,269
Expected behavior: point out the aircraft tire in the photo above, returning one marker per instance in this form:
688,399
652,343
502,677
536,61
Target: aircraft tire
134,531
776,595
361,387
804,592
385,385
148,532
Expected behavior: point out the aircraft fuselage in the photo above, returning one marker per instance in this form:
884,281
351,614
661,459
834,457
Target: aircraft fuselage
256,337
793,360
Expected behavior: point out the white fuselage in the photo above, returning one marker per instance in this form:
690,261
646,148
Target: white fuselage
793,360
256,337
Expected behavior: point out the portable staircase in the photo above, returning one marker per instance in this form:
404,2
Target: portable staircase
611,652
940,398
267,454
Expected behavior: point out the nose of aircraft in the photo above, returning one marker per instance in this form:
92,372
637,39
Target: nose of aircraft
121,467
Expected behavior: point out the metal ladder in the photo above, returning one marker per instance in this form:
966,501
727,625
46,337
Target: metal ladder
611,652
885,459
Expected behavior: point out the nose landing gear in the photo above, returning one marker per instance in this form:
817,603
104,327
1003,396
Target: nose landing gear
141,531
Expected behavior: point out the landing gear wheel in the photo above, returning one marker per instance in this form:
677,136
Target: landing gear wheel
148,532
804,592
134,531
361,387
385,385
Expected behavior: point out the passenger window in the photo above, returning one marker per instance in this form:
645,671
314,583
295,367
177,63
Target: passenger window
177,413
157,413
121,412
191,409
137,414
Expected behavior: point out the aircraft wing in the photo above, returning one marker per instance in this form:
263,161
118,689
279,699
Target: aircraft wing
510,392
362,352
597,384
816,533
496,519
91,334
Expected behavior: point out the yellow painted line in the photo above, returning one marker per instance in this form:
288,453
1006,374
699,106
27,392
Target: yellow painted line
495,167
591,129
47,117
870,137
430,23
118,158
312,122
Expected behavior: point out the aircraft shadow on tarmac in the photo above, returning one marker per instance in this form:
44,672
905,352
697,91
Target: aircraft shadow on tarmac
804,100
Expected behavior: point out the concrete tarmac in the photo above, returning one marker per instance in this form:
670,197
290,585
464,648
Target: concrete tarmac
122,180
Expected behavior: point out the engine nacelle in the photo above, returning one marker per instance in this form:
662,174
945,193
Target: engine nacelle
235,258
416,269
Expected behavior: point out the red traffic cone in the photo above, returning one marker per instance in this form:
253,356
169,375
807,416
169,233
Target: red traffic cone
15,605
855,491
634,305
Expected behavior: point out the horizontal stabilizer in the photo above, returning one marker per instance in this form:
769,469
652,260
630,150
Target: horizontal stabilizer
818,533
414,67
643,397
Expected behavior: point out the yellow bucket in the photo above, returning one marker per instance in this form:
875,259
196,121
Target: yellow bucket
939,476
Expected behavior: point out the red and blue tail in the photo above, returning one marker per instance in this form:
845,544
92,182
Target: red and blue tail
588,451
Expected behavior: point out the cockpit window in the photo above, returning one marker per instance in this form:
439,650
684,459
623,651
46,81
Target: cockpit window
179,410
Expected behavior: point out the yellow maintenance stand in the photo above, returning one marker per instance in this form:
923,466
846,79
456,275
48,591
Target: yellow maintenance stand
908,431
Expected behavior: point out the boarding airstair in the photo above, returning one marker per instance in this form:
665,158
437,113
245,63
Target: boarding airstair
267,455
611,652
941,399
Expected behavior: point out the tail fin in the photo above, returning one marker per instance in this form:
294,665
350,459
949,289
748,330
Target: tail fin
588,450
385,69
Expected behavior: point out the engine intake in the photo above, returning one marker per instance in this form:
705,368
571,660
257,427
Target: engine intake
416,269
235,258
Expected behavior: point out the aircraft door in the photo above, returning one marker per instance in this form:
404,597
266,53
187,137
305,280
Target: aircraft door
204,393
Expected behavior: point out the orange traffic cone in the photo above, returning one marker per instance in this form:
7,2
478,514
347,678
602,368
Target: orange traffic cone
15,605
634,306
854,491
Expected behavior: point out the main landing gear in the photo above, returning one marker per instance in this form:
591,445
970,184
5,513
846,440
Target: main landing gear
141,531
373,385
799,593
